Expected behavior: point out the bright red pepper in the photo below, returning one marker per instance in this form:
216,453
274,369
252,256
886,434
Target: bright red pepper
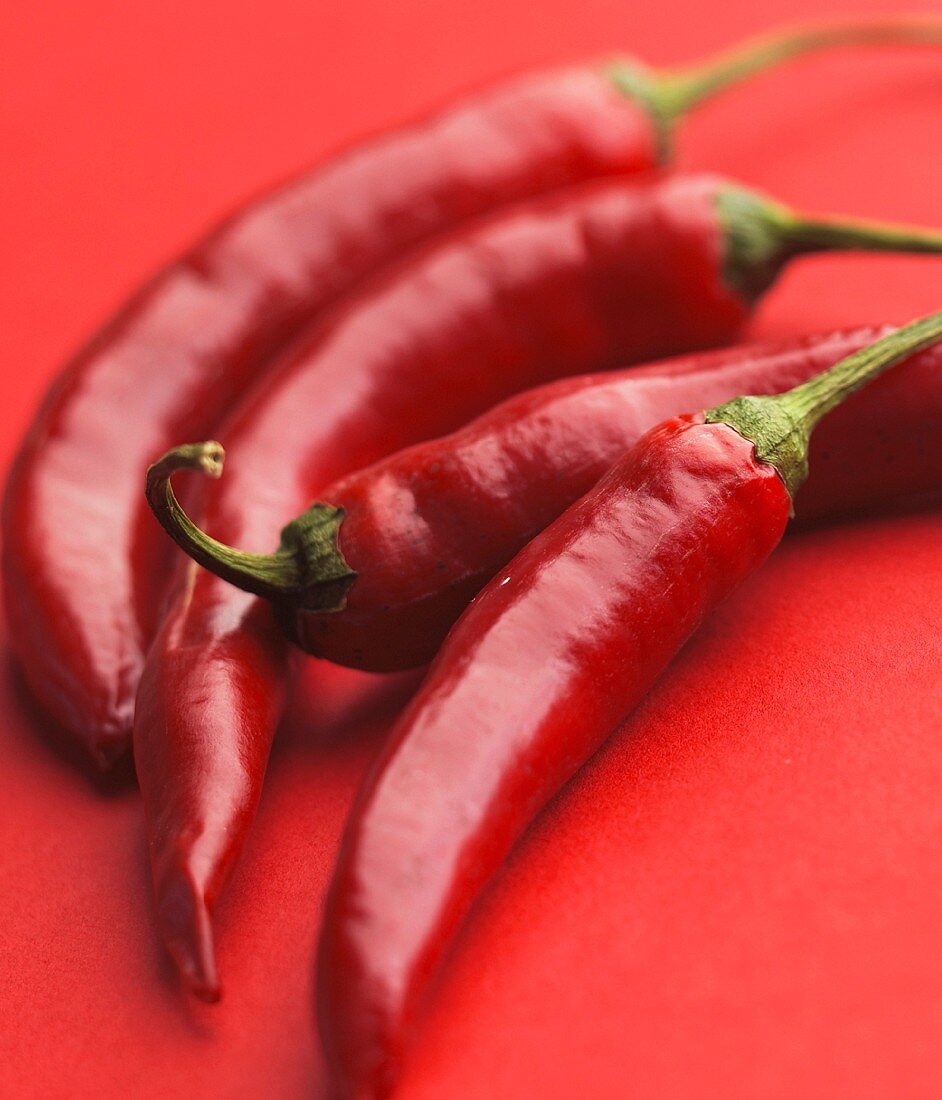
545,663
419,533
80,563
603,273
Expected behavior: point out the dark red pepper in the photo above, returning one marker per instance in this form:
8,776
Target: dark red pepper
419,533
82,571
545,663
603,273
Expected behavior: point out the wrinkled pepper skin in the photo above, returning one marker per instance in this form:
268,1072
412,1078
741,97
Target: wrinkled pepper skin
604,273
81,557
426,528
547,661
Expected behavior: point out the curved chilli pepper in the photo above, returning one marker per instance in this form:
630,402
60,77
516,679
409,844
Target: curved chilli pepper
588,278
81,568
543,666
419,533
532,293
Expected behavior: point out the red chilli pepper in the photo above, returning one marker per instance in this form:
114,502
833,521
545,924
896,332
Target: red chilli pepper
548,660
592,277
82,571
419,533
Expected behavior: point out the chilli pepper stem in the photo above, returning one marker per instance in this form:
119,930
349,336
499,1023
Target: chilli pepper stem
780,426
760,235
821,234
670,94
267,575
678,92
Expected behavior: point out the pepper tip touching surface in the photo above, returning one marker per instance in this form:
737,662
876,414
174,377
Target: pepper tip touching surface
186,925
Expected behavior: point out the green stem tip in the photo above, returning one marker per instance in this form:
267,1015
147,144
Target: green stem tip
780,426
670,94
272,574
307,567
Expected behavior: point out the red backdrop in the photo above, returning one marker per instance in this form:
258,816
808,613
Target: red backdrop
741,895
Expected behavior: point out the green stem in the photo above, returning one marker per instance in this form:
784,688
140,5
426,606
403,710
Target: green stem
781,426
687,89
669,95
823,235
268,575
814,399
760,236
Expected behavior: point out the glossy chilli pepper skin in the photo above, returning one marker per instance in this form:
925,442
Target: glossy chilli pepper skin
188,345
83,576
607,272
541,669
591,277
544,665
425,529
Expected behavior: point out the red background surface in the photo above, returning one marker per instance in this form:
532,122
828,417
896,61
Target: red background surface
741,895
